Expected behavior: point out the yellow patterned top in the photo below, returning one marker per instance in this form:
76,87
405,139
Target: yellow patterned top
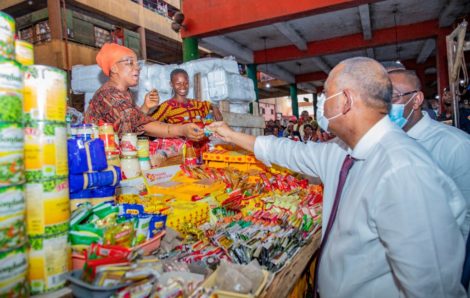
174,112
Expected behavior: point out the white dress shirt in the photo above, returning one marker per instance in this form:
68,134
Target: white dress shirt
450,149
394,234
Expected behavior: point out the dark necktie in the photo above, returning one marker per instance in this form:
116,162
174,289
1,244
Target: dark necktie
343,174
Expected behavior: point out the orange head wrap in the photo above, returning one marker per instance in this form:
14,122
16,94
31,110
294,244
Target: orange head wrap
111,53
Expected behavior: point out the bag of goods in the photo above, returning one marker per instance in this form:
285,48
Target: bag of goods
93,196
86,156
109,177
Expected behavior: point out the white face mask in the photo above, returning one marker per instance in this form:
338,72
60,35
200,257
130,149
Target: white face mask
323,122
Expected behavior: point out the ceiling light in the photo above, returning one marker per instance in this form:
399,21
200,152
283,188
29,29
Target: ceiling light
268,85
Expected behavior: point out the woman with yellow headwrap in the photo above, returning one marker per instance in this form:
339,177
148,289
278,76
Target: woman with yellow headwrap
113,103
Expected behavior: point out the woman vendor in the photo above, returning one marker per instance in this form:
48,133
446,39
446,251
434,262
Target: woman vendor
113,103
181,109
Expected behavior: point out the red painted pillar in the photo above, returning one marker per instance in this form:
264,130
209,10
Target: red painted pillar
441,64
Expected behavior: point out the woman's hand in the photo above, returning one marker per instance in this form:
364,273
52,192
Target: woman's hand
192,132
152,99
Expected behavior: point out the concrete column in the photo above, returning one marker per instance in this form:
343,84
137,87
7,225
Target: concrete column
55,19
190,49
143,42
295,101
252,74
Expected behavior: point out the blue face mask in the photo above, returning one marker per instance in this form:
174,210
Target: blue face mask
397,111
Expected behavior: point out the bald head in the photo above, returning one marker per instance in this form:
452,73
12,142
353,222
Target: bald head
367,77
409,76
393,66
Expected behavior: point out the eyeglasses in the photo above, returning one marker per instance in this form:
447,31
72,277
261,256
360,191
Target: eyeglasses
400,95
129,62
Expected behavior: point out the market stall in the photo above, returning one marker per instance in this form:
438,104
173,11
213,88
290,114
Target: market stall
82,208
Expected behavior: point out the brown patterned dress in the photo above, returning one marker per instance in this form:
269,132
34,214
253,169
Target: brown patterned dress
110,105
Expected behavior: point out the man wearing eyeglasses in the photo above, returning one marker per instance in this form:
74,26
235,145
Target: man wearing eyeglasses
388,229
447,145
113,103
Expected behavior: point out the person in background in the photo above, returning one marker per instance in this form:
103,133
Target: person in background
464,113
279,125
393,65
276,132
181,109
290,133
304,119
269,127
447,145
388,228
434,105
312,121
309,134
447,113
426,107
113,103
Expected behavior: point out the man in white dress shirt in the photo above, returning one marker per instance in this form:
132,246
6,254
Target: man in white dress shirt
394,234
447,145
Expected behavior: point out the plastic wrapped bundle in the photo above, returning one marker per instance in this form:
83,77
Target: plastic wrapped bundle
93,196
86,156
240,108
234,87
109,177
87,79
206,65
